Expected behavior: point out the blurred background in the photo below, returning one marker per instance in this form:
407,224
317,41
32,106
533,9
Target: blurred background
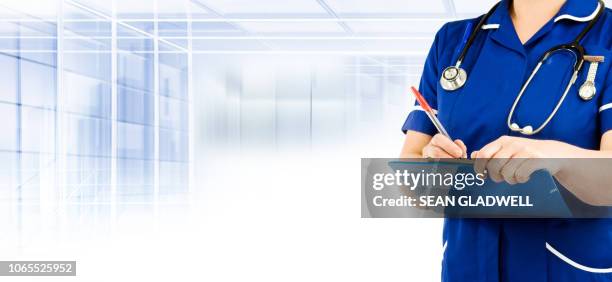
221,137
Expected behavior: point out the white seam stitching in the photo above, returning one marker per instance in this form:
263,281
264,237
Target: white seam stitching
575,264
579,19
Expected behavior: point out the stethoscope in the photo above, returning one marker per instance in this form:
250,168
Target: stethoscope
454,77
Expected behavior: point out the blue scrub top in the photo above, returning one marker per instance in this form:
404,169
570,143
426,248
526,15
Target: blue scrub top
497,65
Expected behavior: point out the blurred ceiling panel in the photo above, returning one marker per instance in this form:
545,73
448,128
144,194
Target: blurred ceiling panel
264,6
416,46
292,27
331,44
179,9
370,7
135,9
473,7
217,26
421,27
225,45
22,9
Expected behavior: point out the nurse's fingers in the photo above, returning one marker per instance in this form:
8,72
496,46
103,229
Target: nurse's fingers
483,155
494,167
447,145
499,160
479,164
435,152
490,149
508,172
463,147
524,171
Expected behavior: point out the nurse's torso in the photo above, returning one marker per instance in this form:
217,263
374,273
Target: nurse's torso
497,66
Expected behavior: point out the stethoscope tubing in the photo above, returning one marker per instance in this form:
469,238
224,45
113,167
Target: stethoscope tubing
574,47
474,34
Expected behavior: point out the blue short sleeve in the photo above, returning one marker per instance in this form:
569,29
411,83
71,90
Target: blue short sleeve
417,120
605,109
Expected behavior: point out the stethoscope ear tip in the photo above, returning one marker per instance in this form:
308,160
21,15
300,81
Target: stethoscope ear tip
527,130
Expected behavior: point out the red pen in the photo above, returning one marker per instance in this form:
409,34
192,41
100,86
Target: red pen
430,112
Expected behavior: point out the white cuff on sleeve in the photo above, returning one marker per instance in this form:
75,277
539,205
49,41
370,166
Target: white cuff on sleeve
605,107
419,108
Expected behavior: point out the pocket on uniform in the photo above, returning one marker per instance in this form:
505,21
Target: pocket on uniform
562,268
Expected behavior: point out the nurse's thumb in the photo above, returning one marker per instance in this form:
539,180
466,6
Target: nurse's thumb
473,155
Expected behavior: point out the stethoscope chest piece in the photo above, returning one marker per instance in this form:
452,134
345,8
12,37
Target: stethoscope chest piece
453,78
587,91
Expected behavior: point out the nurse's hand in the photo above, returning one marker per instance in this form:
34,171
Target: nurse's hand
440,147
514,159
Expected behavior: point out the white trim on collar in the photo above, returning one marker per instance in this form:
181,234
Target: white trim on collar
580,19
490,26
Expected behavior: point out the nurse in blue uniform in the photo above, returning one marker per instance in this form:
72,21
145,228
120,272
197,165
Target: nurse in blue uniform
508,128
